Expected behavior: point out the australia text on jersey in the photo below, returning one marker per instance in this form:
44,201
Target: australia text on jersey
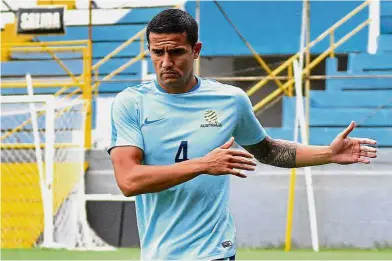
211,118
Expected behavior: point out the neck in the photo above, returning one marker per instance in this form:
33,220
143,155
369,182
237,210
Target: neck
181,88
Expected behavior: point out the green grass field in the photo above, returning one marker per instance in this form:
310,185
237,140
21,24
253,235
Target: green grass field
242,254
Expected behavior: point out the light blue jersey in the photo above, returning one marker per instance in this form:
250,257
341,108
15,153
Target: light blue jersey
191,220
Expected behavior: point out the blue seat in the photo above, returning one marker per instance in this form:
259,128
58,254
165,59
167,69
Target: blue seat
100,50
363,62
330,113
37,68
23,91
99,33
359,99
115,87
343,116
386,17
50,67
386,8
340,116
324,136
339,84
386,24
120,82
385,43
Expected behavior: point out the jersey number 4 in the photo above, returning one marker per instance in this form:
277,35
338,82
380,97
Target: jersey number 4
182,153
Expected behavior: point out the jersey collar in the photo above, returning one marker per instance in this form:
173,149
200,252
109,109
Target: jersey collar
194,88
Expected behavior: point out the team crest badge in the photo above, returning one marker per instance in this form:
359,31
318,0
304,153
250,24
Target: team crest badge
211,118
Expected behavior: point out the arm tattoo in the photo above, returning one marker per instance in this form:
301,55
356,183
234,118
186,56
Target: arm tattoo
279,153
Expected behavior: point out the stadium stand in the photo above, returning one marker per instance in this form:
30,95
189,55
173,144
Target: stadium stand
364,100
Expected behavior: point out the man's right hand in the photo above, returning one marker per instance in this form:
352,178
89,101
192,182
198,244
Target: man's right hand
223,160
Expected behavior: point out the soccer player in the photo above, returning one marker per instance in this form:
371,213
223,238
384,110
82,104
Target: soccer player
172,148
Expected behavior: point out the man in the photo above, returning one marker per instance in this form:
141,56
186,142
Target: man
171,148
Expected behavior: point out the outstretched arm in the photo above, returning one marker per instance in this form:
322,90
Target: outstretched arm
286,154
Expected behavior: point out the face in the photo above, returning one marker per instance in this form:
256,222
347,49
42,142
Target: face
173,58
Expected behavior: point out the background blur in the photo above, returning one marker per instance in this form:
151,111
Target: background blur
347,76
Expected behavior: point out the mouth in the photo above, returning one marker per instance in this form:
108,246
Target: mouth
170,74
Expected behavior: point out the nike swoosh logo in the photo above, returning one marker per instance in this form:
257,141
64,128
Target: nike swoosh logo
146,121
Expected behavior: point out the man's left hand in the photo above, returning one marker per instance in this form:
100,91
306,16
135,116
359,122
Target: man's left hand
346,150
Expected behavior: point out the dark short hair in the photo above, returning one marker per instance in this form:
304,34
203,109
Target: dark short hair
174,21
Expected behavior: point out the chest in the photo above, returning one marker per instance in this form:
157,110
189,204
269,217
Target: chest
183,129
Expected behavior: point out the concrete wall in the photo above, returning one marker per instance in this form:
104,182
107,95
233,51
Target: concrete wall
353,210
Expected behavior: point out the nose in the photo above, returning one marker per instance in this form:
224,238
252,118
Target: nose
167,62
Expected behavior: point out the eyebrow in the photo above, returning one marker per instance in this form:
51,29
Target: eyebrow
170,49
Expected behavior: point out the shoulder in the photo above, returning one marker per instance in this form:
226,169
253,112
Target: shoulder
238,94
222,87
132,95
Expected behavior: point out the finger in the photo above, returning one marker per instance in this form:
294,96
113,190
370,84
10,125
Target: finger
237,173
365,141
240,153
241,166
364,160
347,131
368,149
243,160
368,154
228,144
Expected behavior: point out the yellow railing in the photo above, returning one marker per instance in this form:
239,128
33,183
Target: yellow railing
52,48
288,63
83,84
82,81
257,57
143,53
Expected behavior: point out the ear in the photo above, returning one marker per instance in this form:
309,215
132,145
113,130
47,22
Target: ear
148,47
196,50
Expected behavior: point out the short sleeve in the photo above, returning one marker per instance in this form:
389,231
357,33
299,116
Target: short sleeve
248,130
126,129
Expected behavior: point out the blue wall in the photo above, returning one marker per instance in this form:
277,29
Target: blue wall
273,27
